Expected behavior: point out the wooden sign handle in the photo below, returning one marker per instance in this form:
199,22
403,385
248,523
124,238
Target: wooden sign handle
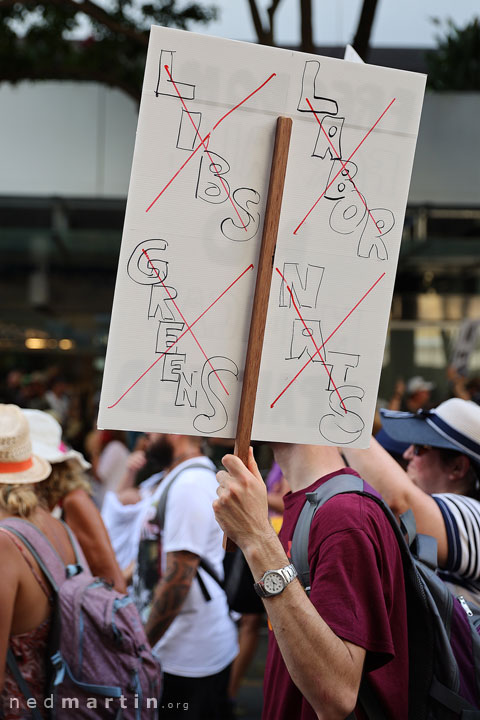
262,292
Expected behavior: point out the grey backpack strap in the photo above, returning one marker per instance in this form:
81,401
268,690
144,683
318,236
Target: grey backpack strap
22,685
40,547
162,502
299,550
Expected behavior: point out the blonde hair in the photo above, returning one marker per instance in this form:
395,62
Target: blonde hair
19,500
65,477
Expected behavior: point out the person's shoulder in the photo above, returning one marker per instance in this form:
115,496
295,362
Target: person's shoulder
352,511
194,469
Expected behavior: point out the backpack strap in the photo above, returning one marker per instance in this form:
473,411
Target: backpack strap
43,551
159,520
22,685
299,551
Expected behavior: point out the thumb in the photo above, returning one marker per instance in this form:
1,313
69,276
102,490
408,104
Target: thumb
252,465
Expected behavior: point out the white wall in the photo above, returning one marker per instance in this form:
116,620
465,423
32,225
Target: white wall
446,170
71,139
76,140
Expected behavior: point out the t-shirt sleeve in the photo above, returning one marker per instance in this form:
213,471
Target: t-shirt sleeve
186,522
348,592
462,523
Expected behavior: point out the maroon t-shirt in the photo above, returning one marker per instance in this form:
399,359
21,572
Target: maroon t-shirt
357,587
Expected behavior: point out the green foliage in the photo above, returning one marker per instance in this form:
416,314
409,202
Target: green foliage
36,38
455,65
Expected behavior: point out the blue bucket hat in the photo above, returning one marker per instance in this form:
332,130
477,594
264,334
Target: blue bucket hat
453,425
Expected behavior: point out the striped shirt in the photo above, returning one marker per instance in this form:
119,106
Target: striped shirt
461,515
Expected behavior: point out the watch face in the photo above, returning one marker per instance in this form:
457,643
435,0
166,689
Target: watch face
274,583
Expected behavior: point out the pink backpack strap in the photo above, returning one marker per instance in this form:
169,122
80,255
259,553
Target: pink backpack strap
45,554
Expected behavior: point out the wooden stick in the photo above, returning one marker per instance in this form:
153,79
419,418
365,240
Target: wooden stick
262,292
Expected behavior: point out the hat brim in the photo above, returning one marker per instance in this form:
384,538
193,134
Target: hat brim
406,428
39,471
54,455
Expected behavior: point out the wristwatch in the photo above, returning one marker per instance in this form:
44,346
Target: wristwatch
273,582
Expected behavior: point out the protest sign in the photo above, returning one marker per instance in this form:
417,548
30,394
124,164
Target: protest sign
193,225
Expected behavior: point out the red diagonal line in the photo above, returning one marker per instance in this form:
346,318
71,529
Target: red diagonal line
343,166
180,336
206,137
206,148
184,320
339,158
244,100
328,338
329,372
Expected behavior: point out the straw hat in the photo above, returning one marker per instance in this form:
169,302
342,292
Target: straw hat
18,465
46,437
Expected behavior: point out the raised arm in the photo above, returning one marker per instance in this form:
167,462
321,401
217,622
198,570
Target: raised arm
383,473
326,669
83,517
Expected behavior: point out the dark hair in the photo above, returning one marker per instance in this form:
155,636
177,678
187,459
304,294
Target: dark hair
472,476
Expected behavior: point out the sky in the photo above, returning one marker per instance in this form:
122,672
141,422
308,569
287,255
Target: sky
398,23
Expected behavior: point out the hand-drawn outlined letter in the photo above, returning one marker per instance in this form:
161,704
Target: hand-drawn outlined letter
340,427
310,89
206,423
373,234
187,134
331,127
338,364
215,166
148,270
164,83
304,289
167,335
187,390
244,197
172,366
162,301
306,339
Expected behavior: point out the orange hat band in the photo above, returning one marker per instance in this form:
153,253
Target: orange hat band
13,467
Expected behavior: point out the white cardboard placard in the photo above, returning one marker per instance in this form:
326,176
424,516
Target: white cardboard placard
193,226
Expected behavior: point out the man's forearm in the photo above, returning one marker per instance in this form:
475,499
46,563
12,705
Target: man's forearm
170,593
326,669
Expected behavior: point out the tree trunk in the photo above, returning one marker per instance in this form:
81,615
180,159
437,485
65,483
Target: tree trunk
361,41
306,26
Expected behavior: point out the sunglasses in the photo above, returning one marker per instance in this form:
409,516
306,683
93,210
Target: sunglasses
420,450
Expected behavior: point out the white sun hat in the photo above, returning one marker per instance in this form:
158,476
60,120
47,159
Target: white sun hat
18,464
46,435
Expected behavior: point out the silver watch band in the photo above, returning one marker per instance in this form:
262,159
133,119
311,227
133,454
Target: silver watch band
287,573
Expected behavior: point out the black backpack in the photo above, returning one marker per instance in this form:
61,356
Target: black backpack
443,630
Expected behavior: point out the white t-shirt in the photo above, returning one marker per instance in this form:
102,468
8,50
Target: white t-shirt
202,640
112,464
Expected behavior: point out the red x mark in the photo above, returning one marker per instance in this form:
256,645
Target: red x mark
339,158
329,372
205,140
344,165
189,329
329,337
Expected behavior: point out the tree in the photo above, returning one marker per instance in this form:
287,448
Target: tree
455,64
36,39
265,29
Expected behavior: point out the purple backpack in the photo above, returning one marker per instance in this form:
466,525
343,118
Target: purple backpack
101,664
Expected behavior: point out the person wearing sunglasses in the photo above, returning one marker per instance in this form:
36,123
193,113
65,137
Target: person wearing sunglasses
441,483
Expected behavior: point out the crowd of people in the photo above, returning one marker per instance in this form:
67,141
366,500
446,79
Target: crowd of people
149,512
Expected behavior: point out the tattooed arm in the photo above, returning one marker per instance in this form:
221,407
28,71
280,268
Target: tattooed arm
171,592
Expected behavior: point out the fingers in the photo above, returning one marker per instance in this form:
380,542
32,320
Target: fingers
252,464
